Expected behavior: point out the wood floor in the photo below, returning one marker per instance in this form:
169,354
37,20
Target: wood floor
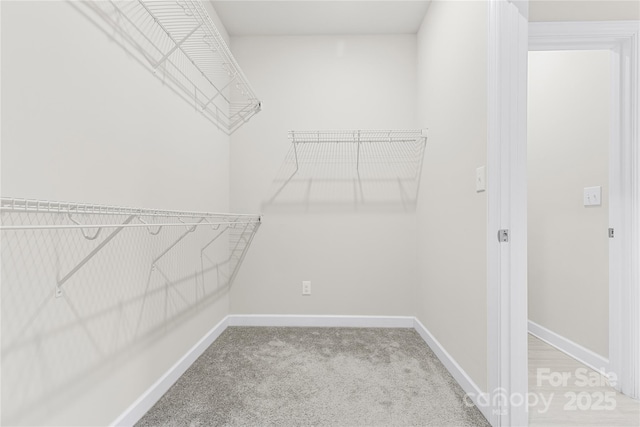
564,392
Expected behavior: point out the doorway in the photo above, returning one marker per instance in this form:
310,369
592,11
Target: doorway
510,38
568,141
619,41
568,145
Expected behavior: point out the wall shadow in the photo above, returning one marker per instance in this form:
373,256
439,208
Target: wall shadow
132,292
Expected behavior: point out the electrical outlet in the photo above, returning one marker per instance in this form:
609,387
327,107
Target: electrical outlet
306,287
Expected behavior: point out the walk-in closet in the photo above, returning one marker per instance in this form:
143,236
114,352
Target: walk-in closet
222,212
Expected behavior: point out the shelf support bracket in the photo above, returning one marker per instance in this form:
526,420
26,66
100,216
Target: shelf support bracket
240,259
176,47
202,253
214,239
295,149
219,92
178,240
358,154
91,254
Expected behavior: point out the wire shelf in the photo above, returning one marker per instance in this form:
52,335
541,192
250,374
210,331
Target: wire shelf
355,136
91,220
390,145
10,204
182,46
349,169
76,302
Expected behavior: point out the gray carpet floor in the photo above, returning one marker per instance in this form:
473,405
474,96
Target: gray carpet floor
315,377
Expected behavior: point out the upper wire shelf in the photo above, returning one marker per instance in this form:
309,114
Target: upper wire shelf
406,143
350,169
356,136
179,40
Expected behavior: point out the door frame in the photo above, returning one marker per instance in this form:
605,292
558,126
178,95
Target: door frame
619,38
508,46
508,39
507,50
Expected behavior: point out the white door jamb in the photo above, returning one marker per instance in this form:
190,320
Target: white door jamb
507,203
507,185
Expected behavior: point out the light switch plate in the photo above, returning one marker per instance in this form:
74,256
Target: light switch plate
593,196
481,179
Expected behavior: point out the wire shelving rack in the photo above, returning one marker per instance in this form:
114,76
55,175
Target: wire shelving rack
179,42
167,218
384,146
350,169
92,219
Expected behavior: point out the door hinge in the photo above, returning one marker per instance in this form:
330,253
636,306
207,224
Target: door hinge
611,233
503,235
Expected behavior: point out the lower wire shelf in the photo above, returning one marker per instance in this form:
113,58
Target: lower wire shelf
91,222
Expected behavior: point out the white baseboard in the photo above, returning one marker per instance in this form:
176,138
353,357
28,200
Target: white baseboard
140,407
467,384
570,348
321,321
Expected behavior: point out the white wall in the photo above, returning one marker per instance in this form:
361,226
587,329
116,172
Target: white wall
568,143
587,10
359,256
83,121
452,82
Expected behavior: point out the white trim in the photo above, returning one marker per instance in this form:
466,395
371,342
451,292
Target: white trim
1,400
579,35
478,397
507,202
574,350
622,39
146,401
295,320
